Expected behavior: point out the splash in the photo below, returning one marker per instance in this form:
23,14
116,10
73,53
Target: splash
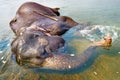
97,32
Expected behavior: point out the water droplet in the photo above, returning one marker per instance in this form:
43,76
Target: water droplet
72,54
118,52
1,51
2,58
69,66
8,44
3,61
117,72
95,73
21,33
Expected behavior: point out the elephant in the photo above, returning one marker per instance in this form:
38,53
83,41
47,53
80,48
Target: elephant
47,18
38,43
38,31
34,48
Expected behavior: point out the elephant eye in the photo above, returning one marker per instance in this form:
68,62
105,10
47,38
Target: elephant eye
35,36
14,20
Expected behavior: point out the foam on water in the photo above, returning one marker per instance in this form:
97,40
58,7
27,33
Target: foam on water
97,32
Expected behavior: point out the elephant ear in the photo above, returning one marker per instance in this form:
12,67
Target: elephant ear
14,46
68,21
56,11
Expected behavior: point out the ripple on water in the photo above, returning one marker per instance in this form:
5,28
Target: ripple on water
4,44
97,32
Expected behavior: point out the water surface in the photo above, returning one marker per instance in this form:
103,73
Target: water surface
103,17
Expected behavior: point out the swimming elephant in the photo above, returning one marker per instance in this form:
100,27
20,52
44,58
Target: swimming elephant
35,44
35,48
47,18
38,29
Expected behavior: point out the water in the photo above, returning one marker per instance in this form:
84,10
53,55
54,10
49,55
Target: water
103,18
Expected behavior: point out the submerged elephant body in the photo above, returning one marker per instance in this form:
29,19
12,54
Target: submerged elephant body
33,50
38,29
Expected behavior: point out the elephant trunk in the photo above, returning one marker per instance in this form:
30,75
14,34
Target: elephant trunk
64,61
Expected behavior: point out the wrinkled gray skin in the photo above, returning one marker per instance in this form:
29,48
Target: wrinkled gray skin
32,13
35,44
33,47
